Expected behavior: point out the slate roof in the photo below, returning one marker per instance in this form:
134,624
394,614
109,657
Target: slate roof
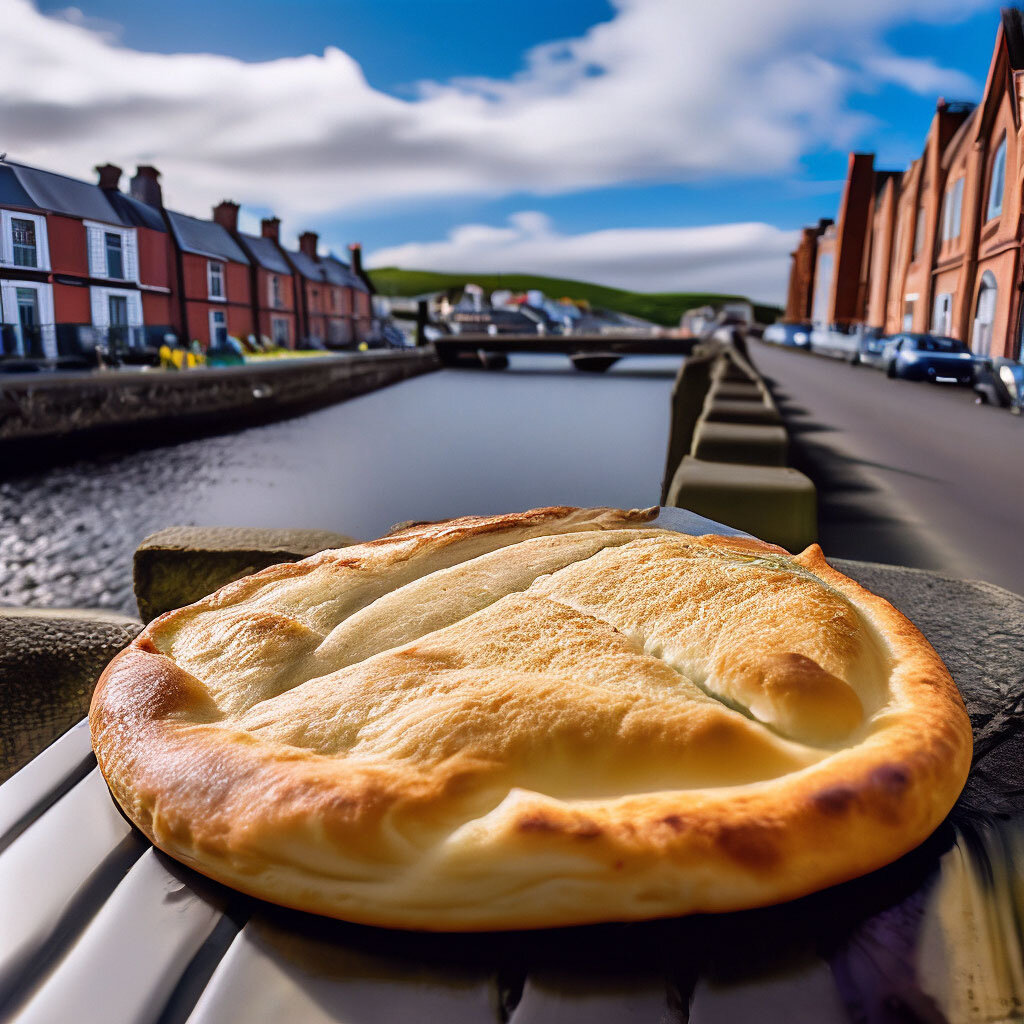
11,191
341,273
21,185
266,254
205,238
57,193
308,268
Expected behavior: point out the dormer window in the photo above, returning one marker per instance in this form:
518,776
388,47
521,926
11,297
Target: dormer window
215,279
997,184
23,233
115,255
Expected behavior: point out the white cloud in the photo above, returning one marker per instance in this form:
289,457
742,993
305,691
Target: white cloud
747,259
666,90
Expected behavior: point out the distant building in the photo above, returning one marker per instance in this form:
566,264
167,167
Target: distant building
271,285
938,246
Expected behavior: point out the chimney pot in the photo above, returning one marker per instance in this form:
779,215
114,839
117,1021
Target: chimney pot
145,186
225,213
110,176
357,257
270,227
308,241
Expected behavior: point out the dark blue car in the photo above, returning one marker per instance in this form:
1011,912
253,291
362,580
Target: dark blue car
928,357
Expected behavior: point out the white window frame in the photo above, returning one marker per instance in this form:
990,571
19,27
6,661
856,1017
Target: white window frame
953,210
210,264
96,245
994,207
943,307
7,240
215,313
99,301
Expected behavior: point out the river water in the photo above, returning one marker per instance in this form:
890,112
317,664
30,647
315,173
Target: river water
451,443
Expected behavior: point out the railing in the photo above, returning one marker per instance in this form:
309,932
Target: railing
38,342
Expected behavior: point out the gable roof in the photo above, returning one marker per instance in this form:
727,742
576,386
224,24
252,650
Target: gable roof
205,238
134,212
266,253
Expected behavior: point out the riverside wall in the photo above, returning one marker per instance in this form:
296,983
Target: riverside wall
42,414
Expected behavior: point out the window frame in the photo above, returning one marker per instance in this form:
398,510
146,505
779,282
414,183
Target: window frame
992,211
119,237
7,218
221,275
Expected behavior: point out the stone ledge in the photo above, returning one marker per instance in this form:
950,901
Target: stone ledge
50,660
182,564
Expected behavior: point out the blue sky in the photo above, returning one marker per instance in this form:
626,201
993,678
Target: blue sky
748,137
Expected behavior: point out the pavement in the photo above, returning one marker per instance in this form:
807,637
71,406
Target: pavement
907,473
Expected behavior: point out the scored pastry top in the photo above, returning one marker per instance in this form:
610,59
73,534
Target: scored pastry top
544,718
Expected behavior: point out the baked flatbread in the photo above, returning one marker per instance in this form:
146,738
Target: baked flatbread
549,718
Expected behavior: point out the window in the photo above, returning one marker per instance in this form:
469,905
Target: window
275,292
279,327
115,255
908,313
952,209
984,315
23,233
28,309
218,327
215,279
997,183
919,232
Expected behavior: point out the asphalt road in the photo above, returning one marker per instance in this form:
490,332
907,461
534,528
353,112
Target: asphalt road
908,473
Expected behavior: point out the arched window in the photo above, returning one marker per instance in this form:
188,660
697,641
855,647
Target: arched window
985,313
997,183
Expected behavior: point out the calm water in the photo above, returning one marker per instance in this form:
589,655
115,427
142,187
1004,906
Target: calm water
449,443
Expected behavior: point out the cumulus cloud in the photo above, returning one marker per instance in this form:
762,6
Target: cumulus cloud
747,259
663,91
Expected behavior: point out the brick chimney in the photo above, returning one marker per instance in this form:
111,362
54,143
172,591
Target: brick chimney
356,252
270,227
308,241
145,186
110,176
225,213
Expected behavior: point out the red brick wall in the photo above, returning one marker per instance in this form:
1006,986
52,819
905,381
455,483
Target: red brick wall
68,250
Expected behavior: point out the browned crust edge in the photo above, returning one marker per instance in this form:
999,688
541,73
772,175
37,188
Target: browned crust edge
215,802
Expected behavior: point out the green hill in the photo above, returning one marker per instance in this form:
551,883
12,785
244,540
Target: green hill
659,307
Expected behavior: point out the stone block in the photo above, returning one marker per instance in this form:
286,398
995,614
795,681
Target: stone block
739,391
50,660
774,503
182,564
727,410
757,444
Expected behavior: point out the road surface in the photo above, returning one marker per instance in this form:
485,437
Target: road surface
908,473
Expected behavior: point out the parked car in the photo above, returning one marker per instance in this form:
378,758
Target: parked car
1000,382
794,335
928,357
872,350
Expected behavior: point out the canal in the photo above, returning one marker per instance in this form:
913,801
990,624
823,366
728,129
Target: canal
450,443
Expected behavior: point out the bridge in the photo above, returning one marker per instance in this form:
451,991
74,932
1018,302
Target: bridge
587,351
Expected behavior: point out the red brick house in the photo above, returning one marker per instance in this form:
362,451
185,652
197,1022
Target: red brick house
215,297
272,283
81,265
334,302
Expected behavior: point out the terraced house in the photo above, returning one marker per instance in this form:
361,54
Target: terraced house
86,266
938,246
81,265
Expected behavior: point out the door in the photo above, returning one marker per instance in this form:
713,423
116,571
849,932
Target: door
117,314
218,327
28,322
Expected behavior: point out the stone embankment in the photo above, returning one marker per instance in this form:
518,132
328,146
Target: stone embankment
40,413
727,450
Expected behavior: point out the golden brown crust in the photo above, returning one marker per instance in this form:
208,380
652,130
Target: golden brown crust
571,717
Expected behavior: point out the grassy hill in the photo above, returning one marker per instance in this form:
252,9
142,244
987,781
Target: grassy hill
659,307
